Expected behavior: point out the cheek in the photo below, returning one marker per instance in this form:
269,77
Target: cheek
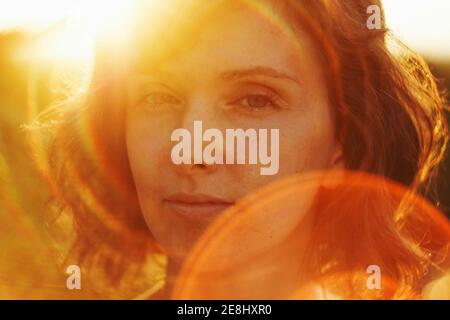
148,147
144,155
307,145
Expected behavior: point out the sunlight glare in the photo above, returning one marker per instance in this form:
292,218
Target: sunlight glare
66,28
422,25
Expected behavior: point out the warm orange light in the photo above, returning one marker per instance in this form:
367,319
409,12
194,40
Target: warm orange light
71,25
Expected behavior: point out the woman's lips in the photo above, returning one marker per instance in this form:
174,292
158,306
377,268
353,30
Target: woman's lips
196,205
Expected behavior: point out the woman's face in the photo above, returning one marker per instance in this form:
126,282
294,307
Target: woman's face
241,72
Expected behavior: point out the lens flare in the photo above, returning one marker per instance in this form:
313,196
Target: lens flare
249,254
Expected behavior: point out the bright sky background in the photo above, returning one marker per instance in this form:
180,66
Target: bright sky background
424,25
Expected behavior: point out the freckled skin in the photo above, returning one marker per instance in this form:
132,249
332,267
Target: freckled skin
239,39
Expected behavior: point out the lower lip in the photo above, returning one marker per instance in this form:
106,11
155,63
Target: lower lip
197,210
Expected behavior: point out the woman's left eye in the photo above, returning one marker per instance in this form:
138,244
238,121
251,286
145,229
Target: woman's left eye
257,102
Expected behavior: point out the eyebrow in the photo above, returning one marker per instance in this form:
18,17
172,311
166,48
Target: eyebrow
258,71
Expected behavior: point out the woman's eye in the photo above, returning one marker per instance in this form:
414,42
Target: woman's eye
159,99
257,103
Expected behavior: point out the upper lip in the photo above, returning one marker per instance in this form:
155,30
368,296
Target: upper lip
195,198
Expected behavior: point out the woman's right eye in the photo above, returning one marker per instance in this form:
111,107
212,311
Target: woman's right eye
159,100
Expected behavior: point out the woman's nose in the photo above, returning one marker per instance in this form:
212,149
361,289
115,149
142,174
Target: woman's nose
200,115
195,166
196,169
202,108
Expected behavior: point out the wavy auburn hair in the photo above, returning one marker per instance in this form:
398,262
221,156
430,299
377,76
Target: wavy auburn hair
389,115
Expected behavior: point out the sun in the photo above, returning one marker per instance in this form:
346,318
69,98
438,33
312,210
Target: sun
65,29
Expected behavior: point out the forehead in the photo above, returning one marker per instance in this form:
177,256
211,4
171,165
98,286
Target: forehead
234,36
